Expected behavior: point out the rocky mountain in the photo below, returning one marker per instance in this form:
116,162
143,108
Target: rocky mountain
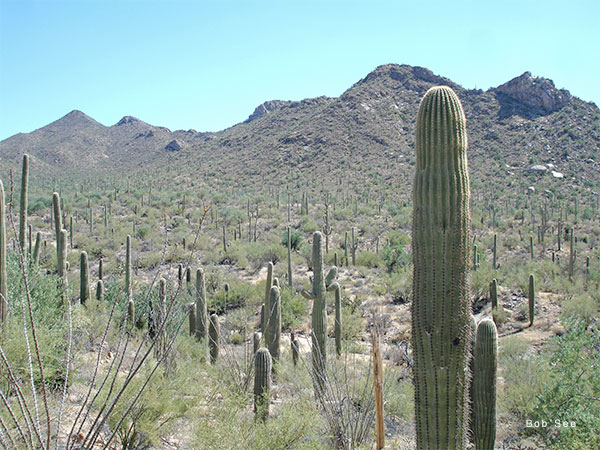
366,134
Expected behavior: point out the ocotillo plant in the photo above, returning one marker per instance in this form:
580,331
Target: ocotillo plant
531,298
128,281
24,200
201,310
268,285
84,278
273,331
441,306
485,364
262,383
3,273
320,284
214,333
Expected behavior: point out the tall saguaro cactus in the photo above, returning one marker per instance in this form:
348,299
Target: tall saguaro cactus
3,274
441,330
128,287
201,310
273,331
268,285
24,197
485,364
320,284
84,278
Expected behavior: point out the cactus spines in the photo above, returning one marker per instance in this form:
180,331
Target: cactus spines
262,383
338,319
494,294
485,363
192,318
128,287
201,311
441,253
268,285
289,249
319,311
24,199
3,273
273,331
84,278
213,337
531,295
100,291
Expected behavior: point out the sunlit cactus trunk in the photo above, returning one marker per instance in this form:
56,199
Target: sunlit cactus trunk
441,330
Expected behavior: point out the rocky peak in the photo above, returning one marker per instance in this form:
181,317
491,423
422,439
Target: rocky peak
128,120
536,91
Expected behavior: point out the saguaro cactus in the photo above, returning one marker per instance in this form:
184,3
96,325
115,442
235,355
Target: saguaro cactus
201,311
192,318
24,199
262,383
441,331
84,278
273,332
214,333
320,284
531,298
3,273
100,291
289,249
268,285
128,287
494,294
338,318
485,362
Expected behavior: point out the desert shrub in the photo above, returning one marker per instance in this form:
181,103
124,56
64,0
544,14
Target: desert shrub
368,259
571,393
296,237
293,309
394,255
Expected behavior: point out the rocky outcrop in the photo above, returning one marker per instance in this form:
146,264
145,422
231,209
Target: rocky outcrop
266,108
535,91
174,146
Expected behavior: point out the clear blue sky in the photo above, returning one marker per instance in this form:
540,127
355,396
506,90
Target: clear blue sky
207,64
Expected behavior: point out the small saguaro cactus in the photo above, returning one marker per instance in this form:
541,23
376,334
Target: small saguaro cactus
354,246
255,342
338,318
37,247
531,298
201,309
192,318
58,225
346,259
62,255
3,273
532,256
263,366
494,294
441,306
100,291
84,278
131,312
289,249
485,365
24,200
571,255
214,333
273,331
494,252
295,348
268,285
128,281
320,284
100,269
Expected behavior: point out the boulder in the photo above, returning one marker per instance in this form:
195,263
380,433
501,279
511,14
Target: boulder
174,146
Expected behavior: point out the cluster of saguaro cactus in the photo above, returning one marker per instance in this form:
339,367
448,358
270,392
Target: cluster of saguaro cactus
441,330
262,383
320,284
485,363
